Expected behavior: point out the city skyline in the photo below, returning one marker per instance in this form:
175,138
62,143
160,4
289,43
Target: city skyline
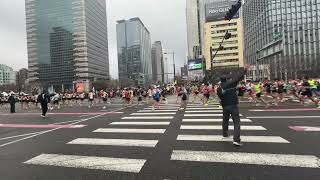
13,44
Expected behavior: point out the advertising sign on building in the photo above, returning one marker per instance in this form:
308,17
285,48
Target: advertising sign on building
216,11
195,64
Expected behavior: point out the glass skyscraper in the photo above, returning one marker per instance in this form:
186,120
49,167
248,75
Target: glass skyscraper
67,42
134,51
282,38
157,62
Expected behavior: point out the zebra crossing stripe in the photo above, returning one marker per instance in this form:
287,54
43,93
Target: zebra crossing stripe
204,115
197,106
204,108
207,111
211,120
150,114
198,127
169,108
159,110
148,117
140,123
118,130
114,142
287,160
215,138
89,162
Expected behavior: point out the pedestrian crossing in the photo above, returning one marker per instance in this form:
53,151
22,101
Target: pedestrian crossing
198,121
199,124
146,122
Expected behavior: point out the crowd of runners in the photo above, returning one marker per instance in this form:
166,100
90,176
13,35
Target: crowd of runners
262,93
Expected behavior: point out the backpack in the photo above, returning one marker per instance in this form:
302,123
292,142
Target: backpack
184,96
157,95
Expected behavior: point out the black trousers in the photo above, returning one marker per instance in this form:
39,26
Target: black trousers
44,108
232,110
12,108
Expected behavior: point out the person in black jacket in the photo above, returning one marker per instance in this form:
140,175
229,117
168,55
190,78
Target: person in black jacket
227,93
12,101
44,99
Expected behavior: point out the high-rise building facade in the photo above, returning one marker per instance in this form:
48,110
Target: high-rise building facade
215,28
195,16
193,29
7,75
67,42
282,38
157,62
134,51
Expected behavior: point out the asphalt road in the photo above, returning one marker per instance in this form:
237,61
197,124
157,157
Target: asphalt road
78,143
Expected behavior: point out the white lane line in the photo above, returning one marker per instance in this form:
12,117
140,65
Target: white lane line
197,127
114,142
212,120
204,108
148,117
151,114
174,108
21,135
140,123
305,161
192,106
118,130
89,162
51,130
206,115
207,111
282,117
86,115
159,110
261,139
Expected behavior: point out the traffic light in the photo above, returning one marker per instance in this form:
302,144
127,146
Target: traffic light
233,11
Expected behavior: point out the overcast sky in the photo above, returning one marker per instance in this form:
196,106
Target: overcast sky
165,20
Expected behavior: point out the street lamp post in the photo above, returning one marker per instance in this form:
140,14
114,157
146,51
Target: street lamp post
174,65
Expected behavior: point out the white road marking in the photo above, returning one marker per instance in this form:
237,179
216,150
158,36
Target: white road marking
148,117
114,142
205,115
195,106
89,162
197,127
51,130
212,120
204,108
115,130
158,110
170,108
305,161
261,139
151,114
207,111
140,123
21,135
282,117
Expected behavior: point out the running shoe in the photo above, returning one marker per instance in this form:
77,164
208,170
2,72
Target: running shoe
237,144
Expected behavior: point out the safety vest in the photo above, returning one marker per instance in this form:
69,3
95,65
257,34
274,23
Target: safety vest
257,88
312,83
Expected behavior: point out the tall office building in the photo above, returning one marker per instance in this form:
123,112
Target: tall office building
67,42
7,75
193,29
195,15
215,28
157,62
134,51
282,38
